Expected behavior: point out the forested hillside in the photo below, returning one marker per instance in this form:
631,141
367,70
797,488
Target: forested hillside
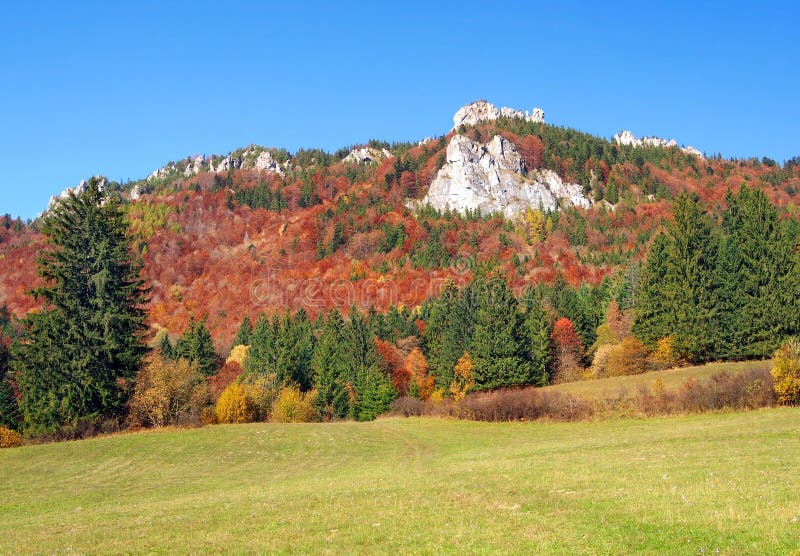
348,289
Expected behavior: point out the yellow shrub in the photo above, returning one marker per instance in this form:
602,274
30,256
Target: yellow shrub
629,357
9,438
238,354
664,357
463,380
786,373
292,406
234,405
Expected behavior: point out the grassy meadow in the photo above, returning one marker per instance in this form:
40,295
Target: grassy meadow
700,484
671,379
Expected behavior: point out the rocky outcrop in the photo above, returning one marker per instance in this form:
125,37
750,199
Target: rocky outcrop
77,190
627,138
138,190
491,178
366,155
481,111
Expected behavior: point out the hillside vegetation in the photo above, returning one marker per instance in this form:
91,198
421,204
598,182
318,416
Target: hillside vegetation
711,483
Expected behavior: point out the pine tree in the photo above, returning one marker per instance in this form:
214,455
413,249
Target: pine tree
449,330
757,275
329,368
538,324
196,346
498,344
9,410
294,347
374,390
261,355
86,342
653,317
243,334
679,294
689,280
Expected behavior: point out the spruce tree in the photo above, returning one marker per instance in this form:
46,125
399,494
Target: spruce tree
244,333
374,390
196,346
539,326
449,330
499,347
757,277
653,317
261,355
86,342
329,368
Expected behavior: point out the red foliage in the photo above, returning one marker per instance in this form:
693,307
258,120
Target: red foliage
394,366
224,378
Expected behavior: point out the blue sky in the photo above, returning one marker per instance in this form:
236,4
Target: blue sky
119,90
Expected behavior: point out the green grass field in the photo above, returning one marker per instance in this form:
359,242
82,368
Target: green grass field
696,484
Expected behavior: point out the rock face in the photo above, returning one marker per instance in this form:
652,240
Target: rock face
490,178
481,111
627,138
139,190
252,157
366,155
77,190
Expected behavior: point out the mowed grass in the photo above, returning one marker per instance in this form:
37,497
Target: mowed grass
602,388
674,485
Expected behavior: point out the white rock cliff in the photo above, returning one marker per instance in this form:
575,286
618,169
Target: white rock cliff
481,111
490,178
625,137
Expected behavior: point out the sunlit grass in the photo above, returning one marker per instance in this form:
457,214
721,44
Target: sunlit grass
687,485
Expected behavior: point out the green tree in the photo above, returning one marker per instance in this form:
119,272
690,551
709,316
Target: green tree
195,345
329,368
244,332
758,277
77,353
499,347
449,330
374,391
539,326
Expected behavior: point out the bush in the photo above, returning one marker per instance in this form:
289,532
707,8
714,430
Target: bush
168,393
786,372
238,355
235,406
9,438
293,406
629,357
664,356
747,390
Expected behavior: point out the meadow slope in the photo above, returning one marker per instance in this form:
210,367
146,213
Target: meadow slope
683,485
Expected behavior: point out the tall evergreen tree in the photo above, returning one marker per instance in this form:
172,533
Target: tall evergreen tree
679,294
261,355
87,339
539,326
294,347
653,318
449,330
244,332
196,345
374,390
329,367
499,347
757,275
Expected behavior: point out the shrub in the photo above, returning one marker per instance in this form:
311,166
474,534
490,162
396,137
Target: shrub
238,354
9,438
294,406
629,357
234,405
664,356
463,380
786,372
168,393
600,361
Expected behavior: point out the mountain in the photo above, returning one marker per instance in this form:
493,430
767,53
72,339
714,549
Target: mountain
261,229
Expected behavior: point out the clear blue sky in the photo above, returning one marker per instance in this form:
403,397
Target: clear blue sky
120,88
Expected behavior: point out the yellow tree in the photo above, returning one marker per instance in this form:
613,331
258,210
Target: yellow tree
462,377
